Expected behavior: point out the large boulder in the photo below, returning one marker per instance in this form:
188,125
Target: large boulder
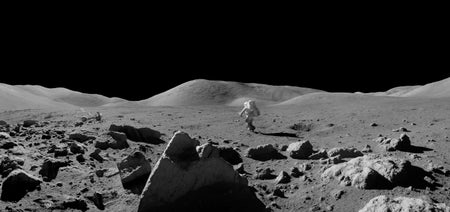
263,152
183,180
300,150
17,185
345,152
400,204
134,171
371,172
392,144
145,135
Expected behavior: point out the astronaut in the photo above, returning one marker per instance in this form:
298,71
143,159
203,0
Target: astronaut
250,111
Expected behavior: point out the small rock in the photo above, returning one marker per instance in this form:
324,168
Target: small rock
367,149
337,193
321,154
76,148
401,129
283,178
295,172
263,152
305,166
265,174
80,158
373,124
96,155
344,152
278,193
80,137
97,199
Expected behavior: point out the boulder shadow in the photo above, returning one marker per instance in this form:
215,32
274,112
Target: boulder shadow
279,134
221,197
415,149
415,177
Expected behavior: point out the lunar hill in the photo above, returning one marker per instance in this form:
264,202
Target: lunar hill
21,97
207,92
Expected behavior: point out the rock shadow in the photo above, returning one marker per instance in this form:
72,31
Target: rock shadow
221,197
415,149
136,186
280,134
416,178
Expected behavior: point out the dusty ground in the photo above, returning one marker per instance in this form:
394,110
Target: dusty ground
337,121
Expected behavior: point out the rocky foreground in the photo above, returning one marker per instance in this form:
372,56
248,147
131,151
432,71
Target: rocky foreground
46,164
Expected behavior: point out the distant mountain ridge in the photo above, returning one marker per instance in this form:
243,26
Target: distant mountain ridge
195,92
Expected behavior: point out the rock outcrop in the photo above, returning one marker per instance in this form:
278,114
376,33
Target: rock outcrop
145,135
183,180
399,204
17,185
134,171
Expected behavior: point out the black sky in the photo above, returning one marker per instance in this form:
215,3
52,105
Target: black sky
135,57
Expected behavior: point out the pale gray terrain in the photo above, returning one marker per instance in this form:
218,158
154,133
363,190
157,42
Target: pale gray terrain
289,114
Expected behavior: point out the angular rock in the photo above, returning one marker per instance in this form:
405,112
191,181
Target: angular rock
74,203
295,172
399,204
7,165
97,199
337,193
265,174
119,140
230,155
17,185
207,150
145,135
321,154
50,167
367,149
134,171
263,152
181,180
96,155
300,150
283,178
345,152
76,148
80,137
370,172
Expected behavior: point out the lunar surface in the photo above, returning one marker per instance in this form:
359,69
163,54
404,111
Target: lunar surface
187,149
